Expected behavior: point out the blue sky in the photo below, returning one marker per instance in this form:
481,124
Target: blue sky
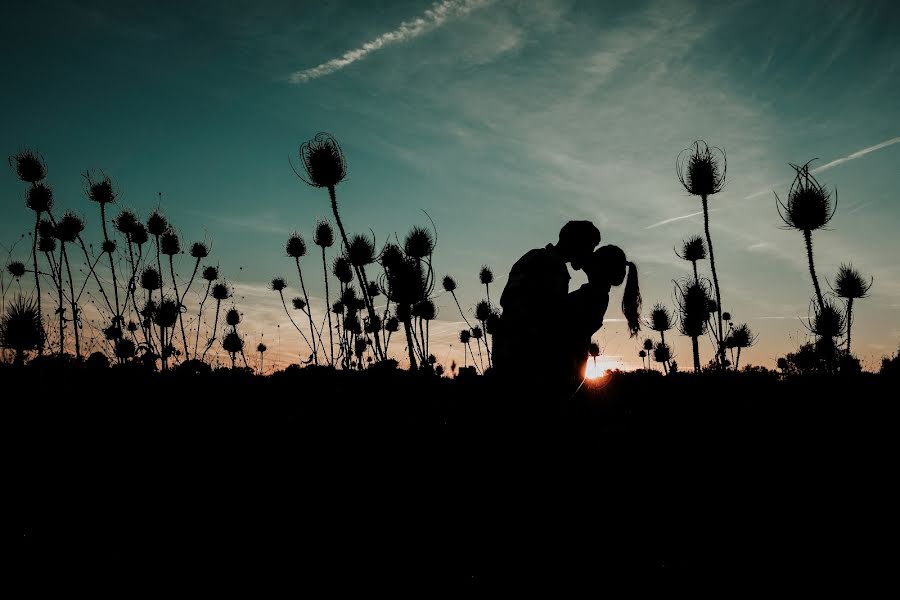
502,119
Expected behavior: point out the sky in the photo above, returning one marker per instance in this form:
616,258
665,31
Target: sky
501,119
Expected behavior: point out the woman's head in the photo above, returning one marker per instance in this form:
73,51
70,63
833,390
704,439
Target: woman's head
608,266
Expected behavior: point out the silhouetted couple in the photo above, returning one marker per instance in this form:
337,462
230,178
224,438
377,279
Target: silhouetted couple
545,330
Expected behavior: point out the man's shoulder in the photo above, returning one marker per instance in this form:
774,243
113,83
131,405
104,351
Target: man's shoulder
540,258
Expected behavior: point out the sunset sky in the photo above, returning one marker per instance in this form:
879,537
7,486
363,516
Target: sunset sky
502,119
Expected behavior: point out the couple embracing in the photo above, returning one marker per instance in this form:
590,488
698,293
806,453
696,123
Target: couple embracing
545,330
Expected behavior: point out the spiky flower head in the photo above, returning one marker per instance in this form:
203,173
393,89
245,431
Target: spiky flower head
131,327
166,313
233,317
39,198
726,316
323,161
342,269
150,279
348,297
419,243
338,308
492,324
169,244
693,249
373,290
232,343
425,310
373,324
661,352
29,166
360,251
701,169
108,246
210,273
148,311
125,349
69,227
485,275
113,332
594,349
391,256
828,321
299,303
157,224
648,344
477,333
660,318
741,337
21,327
809,205
403,312
199,250
464,336
849,283
712,307
323,235
642,354
46,236
352,324
278,284
261,348
99,188
221,291
392,325
359,346
295,246
482,310
449,284
139,235
16,269
125,222
693,305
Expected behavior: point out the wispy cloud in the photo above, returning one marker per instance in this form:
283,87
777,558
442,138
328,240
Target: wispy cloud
431,19
673,219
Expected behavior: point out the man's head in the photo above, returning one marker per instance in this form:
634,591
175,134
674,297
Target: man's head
577,239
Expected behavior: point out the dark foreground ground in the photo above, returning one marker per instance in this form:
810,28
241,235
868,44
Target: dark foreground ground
333,478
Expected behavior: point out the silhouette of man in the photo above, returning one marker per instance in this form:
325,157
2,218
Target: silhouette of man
533,330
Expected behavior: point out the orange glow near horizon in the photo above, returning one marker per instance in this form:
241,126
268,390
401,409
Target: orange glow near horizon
596,369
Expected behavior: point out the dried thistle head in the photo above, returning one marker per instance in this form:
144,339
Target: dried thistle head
342,270
849,283
298,303
648,344
113,332
221,291
449,284
167,313
199,250
391,256
169,244
485,275
261,348
642,354
39,198
692,249
157,224
464,336
594,349
232,343
338,308
46,236
16,268
21,327
323,160
295,246
139,235
210,273
809,205
108,246
131,327
323,235
726,316
125,349
828,321
660,318
373,324
69,227
150,279
373,290
99,187
125,222
233,317
425,310
392,325
701,169
741,337
419,243
278,284
360,250
492,324
693,307
661,352
477,333
482,310
29,166
348,297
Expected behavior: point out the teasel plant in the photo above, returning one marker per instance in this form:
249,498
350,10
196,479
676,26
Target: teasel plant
361,253
660,321
701,171
809,207
449,285
67,231
278,285
22,328
220,292
261,348
166,318
465,337
692,299
850,285
198,251
232,319
648,350
326,166
323,237
662,353
170,245
828,324
407,284
31,169
692,250
739,338
296,249
483,313
98,187
642,354
210,274
486,277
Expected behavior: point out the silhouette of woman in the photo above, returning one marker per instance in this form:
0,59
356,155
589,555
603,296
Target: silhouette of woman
605,268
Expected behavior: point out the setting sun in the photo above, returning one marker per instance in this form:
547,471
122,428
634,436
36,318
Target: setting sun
596,369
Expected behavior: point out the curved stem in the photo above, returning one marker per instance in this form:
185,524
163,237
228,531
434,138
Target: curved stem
73,302
409,343
312,328
849,322
461,313
112,268
720,352
297,327
807,236
61,309
37,279
215,327
178,302
328,311
200,317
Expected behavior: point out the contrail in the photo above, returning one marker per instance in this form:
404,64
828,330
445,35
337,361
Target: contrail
431,19
673,219
836,162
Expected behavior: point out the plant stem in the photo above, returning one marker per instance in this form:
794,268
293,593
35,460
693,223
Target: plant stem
849,322
807,236
178,302
720,352
696,348
312,328
112,268
37,279
328,310
73,302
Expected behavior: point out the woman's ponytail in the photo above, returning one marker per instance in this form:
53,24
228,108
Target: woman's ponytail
631,300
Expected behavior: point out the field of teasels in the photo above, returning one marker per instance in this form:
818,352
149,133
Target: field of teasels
160,302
